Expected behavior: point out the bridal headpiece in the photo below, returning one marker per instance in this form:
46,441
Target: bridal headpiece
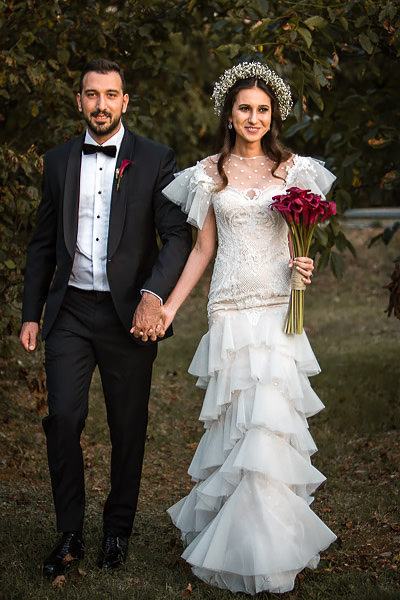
246,70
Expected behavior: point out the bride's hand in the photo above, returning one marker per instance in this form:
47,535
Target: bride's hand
167,316
305,266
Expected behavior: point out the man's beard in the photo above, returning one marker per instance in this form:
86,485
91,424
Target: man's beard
102,129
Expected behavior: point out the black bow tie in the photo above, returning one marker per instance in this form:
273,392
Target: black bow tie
92,149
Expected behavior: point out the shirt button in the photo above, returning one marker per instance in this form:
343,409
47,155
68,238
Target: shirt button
98,216
99,192
97,239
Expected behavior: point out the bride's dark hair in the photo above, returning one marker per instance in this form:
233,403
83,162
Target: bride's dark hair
271,146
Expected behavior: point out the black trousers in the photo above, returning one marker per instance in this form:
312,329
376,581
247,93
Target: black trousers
87,333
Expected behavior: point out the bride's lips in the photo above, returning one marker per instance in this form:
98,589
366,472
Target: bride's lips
252,129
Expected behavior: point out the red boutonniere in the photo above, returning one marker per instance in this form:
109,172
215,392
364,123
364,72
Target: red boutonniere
119,172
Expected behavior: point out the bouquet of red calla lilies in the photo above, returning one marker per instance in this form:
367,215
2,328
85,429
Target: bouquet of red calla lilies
302,211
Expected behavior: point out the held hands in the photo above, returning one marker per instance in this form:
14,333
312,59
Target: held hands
28,335
151,320
305,266
147,320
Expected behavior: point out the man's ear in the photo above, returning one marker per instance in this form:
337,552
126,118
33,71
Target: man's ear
125,103
79,103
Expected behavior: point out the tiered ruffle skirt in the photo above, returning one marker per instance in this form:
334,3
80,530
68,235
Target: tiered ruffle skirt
247,522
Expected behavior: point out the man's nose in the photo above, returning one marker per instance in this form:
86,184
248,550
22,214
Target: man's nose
101,102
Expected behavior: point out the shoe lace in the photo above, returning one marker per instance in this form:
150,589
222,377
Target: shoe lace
111,544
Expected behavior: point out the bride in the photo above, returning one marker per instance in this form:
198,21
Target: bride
247,524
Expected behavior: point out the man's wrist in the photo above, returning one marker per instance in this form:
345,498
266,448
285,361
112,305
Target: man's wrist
148,295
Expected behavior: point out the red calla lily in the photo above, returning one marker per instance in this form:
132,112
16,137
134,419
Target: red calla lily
302,211
119,172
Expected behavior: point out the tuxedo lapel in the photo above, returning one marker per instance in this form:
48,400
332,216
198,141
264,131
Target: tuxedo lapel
119,197
71,195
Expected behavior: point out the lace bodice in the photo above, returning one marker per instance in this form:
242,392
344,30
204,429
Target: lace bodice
251,267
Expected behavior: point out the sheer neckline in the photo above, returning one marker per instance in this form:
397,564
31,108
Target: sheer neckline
248,173
248,157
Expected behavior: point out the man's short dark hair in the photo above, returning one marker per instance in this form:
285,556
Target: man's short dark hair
102,65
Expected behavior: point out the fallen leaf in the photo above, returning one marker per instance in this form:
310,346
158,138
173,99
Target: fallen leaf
68,558
59,582
187,592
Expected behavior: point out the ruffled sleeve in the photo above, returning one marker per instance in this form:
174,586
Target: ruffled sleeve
192,191
310,174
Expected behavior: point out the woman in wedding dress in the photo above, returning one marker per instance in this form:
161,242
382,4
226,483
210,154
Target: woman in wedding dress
247,523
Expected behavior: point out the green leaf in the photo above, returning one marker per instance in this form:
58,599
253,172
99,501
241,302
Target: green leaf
63,55
349,160
324,259
342,198
321,235
316,22
10,264
334,226
351,247
319,74
373,36
361,21
337,265
332,14
261,7
365,43
317,98
341,242
297,127
54,64
306,35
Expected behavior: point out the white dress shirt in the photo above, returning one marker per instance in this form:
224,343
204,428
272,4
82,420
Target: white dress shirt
96,183
89,270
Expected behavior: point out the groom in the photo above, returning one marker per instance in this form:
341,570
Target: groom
94,261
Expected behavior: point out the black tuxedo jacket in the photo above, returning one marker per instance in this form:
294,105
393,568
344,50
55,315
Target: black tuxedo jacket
138,211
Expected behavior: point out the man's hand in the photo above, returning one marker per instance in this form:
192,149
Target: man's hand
147,320
28,335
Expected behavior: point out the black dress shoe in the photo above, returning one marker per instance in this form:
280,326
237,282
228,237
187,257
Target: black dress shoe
113,552
68,550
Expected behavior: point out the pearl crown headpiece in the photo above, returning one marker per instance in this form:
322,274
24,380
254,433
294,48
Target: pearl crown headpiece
246,70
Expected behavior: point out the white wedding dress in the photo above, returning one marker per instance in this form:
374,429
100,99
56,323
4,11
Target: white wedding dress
247,523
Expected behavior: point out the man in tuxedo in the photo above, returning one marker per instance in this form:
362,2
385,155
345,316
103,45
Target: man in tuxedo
94,261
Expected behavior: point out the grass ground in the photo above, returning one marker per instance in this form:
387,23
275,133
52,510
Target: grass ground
358,436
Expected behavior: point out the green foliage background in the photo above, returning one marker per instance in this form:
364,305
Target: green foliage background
340,58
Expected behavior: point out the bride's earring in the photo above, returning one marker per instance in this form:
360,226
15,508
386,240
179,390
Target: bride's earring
230,126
